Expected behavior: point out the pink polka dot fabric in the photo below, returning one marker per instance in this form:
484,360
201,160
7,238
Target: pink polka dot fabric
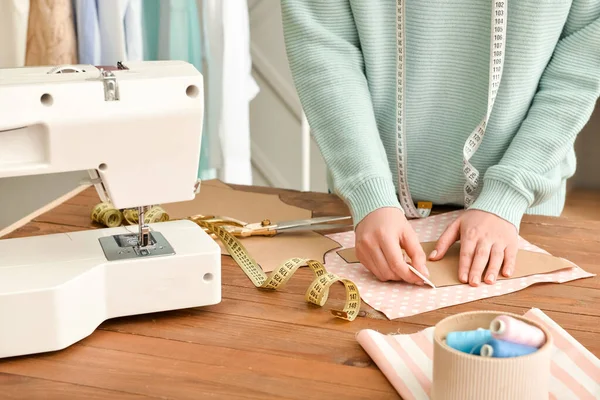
399,299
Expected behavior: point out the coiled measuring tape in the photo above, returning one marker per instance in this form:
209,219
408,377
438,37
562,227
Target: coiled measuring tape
107,215
317,292
471,186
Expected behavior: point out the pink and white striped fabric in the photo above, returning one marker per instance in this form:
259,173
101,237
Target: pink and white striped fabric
407,362
399,299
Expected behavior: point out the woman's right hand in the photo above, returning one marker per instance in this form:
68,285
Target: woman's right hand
380,238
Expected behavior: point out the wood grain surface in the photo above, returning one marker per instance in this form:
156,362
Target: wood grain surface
272,345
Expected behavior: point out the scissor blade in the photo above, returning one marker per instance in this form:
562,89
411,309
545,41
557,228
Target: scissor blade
318,227
308,223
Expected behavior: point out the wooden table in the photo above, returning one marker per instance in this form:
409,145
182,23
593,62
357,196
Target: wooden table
257,345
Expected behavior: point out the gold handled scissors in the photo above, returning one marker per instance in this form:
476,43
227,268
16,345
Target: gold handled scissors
267,228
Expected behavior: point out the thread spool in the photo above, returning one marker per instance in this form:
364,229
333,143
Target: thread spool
502,349
460,376
468,341
510,329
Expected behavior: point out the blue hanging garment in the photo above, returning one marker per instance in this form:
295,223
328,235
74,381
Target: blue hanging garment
108,31
88,32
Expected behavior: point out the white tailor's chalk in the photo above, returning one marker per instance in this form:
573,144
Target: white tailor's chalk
427,281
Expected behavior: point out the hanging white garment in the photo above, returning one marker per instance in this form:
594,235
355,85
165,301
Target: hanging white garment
230,89
120,23
13,33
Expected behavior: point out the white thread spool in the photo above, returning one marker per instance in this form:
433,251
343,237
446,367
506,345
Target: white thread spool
486,351
497,327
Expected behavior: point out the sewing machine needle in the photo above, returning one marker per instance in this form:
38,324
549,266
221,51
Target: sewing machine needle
144,236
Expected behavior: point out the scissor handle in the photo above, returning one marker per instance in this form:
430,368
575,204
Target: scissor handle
236,227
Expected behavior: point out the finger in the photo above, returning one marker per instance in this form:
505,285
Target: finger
383,266
467,251
364,256
387,253
496,259
396,262
415,251
402,270
510,258
480,261
450,235
408,263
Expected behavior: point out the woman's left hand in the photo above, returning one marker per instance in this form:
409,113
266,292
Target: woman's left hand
486,241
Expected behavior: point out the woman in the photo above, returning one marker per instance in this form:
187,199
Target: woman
466,102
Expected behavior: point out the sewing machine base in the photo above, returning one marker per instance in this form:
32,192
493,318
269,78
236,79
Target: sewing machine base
57,289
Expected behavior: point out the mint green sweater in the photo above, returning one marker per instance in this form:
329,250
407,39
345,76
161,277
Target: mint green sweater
342,55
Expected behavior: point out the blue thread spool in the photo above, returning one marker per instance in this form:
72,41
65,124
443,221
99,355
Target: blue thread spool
468,341
502,349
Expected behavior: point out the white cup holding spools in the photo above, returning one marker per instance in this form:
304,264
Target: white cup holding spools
461,376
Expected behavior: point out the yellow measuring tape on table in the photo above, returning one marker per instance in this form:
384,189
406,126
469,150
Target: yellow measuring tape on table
317,292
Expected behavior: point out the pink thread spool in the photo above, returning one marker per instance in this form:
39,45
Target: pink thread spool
512,330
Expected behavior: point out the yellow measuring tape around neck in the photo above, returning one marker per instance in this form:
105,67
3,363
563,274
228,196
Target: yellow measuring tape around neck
317,292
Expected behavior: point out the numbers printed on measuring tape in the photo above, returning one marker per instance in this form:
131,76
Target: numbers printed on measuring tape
475,139
107,215
317,292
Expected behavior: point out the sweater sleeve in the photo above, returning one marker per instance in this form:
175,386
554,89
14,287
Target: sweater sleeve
564,102
327,66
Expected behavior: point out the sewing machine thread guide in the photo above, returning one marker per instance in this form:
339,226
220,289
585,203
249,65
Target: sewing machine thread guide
126,246
111,88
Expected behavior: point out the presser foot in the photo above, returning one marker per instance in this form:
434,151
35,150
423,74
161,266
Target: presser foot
126,246
143,244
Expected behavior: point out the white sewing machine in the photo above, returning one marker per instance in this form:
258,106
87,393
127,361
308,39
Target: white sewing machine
137,129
